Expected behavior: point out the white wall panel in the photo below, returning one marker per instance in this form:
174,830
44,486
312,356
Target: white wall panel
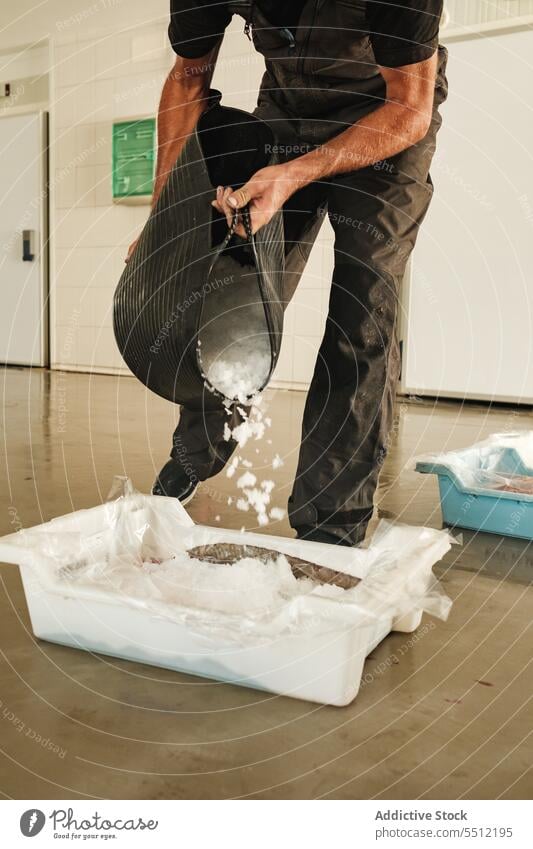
470,308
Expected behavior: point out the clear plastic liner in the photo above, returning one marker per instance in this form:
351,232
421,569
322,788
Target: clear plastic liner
503,462
140,559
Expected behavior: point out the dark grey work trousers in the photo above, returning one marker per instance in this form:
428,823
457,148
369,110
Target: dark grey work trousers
375,213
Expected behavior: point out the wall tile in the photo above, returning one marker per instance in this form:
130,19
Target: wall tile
87,350
72,227
100,350
65,188
85,267
65,344
113,55
98,148
85,142
285,366
101,306
85,102
85,186
85,62
99,226
137,94
71,307
304,357
103,100
103,185
64,145
74,62
64,59
71,267
149,45
64,104
309,313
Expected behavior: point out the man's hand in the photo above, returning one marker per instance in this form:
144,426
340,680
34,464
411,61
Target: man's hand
265,193
131,249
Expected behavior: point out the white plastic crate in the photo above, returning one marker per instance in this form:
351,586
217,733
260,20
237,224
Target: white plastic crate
313,647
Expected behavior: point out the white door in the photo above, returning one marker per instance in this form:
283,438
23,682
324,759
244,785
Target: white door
469,300
23,240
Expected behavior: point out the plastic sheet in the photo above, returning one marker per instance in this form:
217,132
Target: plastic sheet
503,462
139,556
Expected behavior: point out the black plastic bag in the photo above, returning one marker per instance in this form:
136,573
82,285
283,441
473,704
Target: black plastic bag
192,292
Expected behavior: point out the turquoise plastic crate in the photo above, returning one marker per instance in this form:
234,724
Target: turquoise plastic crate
464,477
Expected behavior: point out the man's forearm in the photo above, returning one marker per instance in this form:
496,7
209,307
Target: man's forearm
393,127
183,99
384,133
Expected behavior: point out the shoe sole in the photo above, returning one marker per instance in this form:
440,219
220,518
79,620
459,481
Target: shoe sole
183,501
189,497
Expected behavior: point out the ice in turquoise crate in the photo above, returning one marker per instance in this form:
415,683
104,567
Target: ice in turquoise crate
487,486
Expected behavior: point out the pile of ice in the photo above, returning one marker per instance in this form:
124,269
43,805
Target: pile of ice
247,587
234,344
240,377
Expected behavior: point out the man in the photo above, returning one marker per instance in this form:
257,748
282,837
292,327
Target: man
353,87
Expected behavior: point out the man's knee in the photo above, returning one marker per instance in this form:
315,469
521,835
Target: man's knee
364,294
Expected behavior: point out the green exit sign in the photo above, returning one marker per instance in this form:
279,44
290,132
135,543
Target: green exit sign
134,145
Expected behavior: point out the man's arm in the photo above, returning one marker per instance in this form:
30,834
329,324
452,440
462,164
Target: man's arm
403,120
183,99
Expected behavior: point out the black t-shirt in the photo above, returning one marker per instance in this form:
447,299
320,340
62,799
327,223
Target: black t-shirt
402,31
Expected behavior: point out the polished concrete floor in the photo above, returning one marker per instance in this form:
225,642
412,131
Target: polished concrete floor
443,714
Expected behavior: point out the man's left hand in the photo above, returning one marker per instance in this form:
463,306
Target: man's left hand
265,193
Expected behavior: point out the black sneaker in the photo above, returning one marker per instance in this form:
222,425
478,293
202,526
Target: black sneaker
174,483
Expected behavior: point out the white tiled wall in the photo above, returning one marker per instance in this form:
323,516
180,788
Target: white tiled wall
472,12
95,81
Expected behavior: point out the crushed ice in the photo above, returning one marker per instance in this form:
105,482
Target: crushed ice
239,380
241,376
249,586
